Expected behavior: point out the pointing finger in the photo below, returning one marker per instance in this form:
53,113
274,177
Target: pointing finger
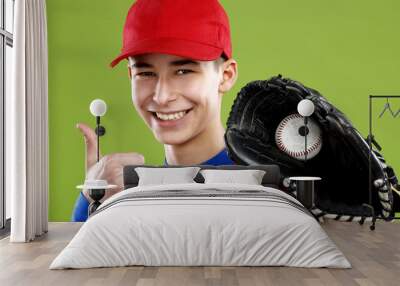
91,144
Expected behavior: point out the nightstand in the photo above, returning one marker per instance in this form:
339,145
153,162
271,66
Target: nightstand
305,190
97,189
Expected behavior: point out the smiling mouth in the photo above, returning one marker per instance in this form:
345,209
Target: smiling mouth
170,116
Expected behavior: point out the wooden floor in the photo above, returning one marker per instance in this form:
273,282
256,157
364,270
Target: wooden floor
374,255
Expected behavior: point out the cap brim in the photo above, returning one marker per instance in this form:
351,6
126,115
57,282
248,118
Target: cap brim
177,47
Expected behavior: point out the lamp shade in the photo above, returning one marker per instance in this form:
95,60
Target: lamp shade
98,107
305,107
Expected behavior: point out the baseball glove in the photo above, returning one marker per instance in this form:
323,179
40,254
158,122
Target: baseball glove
264,127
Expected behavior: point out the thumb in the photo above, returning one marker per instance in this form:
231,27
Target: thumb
91,144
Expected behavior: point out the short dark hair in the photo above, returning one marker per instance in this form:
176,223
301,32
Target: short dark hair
220,61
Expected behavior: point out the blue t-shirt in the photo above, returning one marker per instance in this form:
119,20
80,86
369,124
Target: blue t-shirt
81,205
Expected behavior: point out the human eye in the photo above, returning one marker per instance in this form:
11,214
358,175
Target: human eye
183,71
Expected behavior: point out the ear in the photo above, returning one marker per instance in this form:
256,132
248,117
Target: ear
229,74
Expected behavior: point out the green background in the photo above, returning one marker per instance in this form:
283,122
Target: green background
345,49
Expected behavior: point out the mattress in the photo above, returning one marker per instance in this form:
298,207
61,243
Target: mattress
201,225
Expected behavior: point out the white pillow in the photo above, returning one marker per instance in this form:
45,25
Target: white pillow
162,176
248,177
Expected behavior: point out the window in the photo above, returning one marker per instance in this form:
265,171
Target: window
6,61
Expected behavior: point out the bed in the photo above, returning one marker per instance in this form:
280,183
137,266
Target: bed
201,222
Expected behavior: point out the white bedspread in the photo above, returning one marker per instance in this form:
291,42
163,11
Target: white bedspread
200,230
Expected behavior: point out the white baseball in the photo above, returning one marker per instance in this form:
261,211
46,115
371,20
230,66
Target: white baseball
289,140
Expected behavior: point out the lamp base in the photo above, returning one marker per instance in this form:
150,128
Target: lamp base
96,195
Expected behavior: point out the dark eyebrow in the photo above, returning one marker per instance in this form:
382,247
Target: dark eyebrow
173,63
141,65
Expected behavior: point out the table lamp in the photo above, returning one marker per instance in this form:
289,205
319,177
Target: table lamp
97,188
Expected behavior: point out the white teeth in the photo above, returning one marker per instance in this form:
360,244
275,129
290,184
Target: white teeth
171,116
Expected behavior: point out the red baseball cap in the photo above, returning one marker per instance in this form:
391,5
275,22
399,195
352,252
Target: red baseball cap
196,29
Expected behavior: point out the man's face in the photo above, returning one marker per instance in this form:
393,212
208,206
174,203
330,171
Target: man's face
178,98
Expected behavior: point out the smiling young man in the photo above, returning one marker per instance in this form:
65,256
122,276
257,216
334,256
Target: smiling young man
180,65
180,101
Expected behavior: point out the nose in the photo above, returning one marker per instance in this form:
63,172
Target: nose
163,93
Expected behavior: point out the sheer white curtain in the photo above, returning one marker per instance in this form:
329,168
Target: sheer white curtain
27,124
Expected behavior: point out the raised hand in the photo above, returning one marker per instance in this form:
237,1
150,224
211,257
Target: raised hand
109,167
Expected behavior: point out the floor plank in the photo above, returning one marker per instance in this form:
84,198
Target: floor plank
374,255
